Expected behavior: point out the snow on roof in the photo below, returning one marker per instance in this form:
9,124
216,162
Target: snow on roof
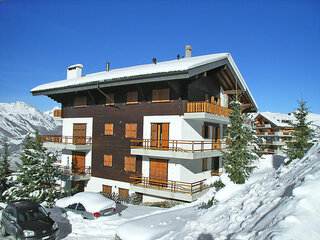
93,202
279,119
140,70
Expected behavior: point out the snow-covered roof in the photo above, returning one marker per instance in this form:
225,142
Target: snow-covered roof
279,119
93,202
185,68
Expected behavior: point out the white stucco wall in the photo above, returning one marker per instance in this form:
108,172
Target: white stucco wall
67,128
66,158
95,185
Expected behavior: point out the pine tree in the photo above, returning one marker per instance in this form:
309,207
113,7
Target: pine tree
238,158
302,133
5,171
36,176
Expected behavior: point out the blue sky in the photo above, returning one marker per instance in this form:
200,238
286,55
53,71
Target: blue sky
275,44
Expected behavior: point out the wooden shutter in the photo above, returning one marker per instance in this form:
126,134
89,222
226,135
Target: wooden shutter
218,133
108,128
78,162
161,95
131,130
80,101
79,133
106,189
204,164
130,164
110,99
107,160
165,135
123,192
132,97
154,134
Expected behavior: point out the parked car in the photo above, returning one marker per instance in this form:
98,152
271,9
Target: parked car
88,204
27,219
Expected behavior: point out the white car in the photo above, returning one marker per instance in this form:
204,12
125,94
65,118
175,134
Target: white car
88,204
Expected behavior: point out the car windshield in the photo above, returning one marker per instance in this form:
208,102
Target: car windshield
31,214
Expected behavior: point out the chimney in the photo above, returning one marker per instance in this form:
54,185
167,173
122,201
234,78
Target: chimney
188,51
74,71
108,66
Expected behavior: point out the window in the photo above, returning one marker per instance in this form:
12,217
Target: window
123,192
130,164
80,207
107,160
204,164
132,97
131,130
108,129
161,95
110,99
106,189
205,131
80,101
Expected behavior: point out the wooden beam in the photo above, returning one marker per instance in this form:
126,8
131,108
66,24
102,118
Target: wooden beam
222,81
231,92
227,70
229,82
245,106
91,96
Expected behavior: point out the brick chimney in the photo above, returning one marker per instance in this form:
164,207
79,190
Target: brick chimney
74,71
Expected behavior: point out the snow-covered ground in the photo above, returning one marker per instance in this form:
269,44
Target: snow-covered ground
277,202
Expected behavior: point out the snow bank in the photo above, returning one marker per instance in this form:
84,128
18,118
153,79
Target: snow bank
93,202
277,202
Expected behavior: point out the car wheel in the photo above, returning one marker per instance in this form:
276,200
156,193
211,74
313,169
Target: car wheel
3,230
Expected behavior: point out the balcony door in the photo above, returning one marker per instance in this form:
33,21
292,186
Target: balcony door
79,133
160,135
78,162
158,172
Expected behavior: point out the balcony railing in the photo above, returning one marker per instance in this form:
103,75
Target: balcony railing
57,113
178,145
74,171
172,186
208,107
67,140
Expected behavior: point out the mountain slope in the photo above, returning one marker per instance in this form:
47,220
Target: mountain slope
19,119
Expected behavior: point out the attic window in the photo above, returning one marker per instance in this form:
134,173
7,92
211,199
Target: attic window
80,101
110,99
161,95
132,97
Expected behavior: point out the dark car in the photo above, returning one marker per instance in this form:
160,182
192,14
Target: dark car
28,220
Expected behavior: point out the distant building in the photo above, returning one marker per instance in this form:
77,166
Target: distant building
154,129
275,129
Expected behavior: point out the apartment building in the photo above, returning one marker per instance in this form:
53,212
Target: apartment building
156,129
275,129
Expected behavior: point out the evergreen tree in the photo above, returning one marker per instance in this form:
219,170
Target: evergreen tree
238,158
5,171
302,133
36,176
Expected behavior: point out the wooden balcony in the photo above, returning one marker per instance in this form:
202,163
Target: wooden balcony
178,145
57,113
207,107
66,142
171,186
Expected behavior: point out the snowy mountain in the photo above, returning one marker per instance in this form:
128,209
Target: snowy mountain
19,119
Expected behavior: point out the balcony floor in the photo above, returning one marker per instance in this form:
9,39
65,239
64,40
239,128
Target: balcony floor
175,154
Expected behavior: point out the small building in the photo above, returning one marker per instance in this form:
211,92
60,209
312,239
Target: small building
156,129
275,129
